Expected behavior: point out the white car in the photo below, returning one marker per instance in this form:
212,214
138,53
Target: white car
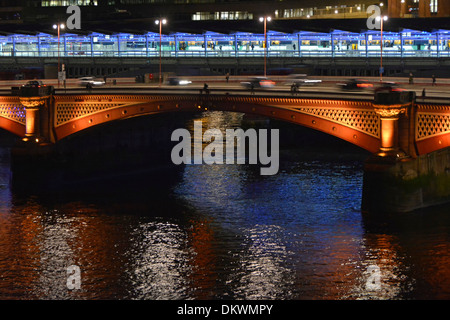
92,81
302,79
177,81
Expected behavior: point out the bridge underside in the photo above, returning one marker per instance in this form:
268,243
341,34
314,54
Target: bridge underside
12,126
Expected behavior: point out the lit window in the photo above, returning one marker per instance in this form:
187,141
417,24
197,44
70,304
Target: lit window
66,3
223,15
433,6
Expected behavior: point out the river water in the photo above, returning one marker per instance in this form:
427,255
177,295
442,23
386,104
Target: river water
224,232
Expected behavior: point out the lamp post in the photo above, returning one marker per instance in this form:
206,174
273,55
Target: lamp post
58,26
160,22
381,19
265,20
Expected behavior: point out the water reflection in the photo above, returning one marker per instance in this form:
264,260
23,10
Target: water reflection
262,272
159,263
381,256
223,232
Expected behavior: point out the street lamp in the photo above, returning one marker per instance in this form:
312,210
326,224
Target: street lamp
265,20
59,27
381,19
160,22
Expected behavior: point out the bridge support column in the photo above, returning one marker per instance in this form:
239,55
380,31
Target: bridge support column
34,153
32,123
407,184
396,179
390,116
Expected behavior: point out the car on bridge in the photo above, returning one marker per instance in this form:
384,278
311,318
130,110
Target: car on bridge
389,87
175,81
33,88
301,80
34,84
355,84
258,83
90,81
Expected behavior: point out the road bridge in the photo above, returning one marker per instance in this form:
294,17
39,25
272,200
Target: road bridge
398,129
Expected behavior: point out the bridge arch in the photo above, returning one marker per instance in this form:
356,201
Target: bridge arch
352,121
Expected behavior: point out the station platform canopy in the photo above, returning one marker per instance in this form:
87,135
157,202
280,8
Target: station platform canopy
406,42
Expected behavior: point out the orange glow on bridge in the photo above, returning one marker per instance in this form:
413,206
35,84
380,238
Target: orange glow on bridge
355,121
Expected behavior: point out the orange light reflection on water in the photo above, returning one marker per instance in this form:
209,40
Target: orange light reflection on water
201,239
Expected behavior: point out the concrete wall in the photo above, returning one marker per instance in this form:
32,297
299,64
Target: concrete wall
130,67
408,185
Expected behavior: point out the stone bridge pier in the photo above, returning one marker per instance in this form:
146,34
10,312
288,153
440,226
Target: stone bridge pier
32,157
398,179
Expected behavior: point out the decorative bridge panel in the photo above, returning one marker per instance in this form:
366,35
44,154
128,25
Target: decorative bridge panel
358,115
366,121
432,121
70,108
12,109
